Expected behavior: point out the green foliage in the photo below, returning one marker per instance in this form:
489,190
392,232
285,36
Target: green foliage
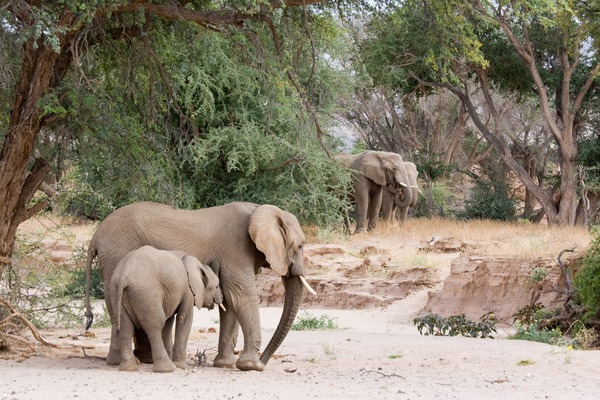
227,126
435,325
532,314
308,322
529,321
587,279
421,40
70,283
589,159
442,196
489,200
247,165
538,274
534,334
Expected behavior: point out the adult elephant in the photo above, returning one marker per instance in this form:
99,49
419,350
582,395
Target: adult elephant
393,202
376,170
242,237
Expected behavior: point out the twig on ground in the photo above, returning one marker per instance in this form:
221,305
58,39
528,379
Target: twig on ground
368,371
200,358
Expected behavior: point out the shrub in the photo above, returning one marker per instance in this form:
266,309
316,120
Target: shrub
308,322
587,280
535,334
456,325
489,200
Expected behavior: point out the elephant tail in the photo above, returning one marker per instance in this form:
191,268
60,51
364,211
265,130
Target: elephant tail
117,301
91,254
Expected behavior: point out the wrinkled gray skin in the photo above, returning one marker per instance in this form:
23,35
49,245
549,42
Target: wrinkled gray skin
149,288
376,170
241,237
394,203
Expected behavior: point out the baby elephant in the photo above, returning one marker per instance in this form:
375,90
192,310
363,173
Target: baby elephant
149,287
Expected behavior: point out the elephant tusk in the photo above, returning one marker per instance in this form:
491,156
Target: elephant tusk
307,286
403,184
222,307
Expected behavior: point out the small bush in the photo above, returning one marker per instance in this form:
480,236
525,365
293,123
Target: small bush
530,321
533,314
587,280
435,325
308,322
489,200
535,334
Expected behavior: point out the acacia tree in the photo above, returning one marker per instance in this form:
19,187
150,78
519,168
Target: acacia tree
51,35
543,49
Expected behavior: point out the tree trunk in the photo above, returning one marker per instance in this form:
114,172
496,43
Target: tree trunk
17,186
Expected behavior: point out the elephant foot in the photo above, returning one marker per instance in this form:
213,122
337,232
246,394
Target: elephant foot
163,366
362,229
113,358
247,363
181,365
224,361
130,365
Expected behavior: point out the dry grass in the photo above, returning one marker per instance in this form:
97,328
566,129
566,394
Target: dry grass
487,238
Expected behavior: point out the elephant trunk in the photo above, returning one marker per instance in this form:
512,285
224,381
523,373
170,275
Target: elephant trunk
294,292
406,200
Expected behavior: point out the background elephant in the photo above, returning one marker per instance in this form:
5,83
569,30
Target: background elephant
149,286
242,237
393,202
377,170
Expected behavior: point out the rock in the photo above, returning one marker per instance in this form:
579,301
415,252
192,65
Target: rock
349,293
478,285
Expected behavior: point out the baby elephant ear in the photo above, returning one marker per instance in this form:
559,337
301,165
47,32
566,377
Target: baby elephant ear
195,279
267,230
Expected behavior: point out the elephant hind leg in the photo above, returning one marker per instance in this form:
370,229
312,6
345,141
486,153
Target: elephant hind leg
128,361
160,358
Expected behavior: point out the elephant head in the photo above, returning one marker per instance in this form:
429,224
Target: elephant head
388,170
401,201
203,282
277,234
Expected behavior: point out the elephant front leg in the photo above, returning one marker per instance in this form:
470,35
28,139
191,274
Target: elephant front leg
362,202
249,319
373,211
183,327
229,329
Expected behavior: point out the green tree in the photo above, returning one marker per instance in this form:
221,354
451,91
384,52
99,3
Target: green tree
543,49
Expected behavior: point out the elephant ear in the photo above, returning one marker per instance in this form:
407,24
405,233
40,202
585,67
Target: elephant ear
371,167
268,232
196,279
